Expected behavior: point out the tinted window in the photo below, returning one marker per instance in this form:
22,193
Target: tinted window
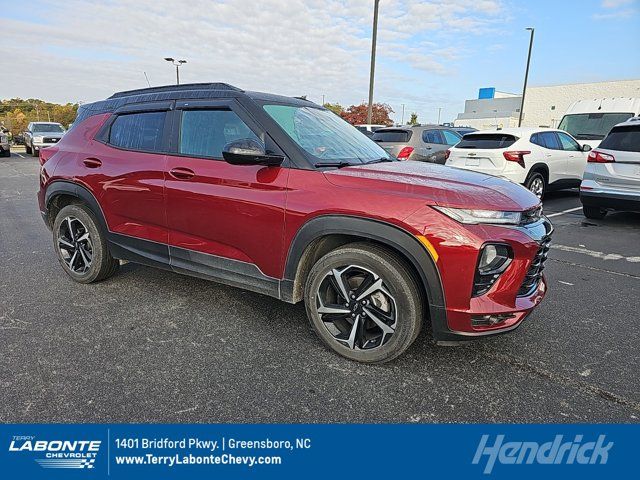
486,141
47,128
568,143
138,131
625,139
550,140
204,133
400,136
431,136
450,138
591,126
362,129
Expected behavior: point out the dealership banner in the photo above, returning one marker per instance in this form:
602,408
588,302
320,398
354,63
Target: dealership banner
141,451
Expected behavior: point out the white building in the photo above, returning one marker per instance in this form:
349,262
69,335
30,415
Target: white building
544,106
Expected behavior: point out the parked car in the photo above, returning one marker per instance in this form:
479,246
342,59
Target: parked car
541,159
590,120
280,196
368,128
424,143
18,139
40,135
5,147
612,177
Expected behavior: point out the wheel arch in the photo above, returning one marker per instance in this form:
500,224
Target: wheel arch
323,234
542,168
61,193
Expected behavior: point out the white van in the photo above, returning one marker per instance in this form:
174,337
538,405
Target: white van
589,121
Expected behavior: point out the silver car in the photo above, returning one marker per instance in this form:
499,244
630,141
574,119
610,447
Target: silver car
425,143
612,177
41,135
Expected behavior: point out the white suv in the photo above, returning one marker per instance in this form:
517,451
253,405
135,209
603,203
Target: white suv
612,178
538,158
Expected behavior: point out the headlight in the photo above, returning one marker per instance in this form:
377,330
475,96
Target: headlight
38,139
464,215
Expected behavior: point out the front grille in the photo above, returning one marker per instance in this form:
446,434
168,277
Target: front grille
534,275
50,140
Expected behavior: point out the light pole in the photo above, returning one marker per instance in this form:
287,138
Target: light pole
402,121
526,76
373,60
439,110
177,63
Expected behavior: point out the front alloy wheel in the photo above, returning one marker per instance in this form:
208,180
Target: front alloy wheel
364,302
356,307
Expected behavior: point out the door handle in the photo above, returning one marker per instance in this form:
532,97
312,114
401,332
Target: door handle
182,173
92,162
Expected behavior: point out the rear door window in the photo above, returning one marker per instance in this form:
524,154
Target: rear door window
204,133
568,143
138,131
486,141
623,139
432,136
550,140
392,136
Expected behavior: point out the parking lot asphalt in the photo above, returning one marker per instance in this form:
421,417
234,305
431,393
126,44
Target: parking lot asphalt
151,346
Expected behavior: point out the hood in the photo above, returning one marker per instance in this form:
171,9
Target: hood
50,134
437,184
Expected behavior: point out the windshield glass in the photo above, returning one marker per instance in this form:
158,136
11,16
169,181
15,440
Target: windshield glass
324,135
47,128
591,126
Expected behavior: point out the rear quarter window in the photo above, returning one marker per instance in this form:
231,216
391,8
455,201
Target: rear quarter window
623,139
486,141
398,136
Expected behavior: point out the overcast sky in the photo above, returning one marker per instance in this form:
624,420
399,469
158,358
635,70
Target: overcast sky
430,53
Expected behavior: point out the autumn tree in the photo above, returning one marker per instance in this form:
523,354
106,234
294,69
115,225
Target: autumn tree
413,120
357,114
16,113
334,107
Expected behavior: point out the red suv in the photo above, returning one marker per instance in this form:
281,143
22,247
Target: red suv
280,196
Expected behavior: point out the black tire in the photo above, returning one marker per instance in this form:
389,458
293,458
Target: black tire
405,302
6,153
536,183
28,149
595,213
101,265
35,152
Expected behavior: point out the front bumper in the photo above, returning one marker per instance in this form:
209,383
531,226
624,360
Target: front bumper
507,303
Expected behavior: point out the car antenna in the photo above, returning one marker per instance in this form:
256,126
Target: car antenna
145,76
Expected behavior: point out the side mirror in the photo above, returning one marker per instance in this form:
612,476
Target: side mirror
586,147
247,151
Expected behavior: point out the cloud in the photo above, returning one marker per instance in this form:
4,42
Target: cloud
618,13
616,3
79,50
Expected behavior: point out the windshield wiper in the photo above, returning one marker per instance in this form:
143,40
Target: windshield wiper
337,164
380,160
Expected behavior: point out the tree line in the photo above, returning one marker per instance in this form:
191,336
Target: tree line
16,113
357,114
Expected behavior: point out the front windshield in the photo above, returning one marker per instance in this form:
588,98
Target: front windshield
324,135
591,126
48,128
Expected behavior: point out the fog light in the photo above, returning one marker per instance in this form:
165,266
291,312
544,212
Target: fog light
494,260
490,320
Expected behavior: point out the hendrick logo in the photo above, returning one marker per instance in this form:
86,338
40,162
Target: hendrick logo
58,453
554,452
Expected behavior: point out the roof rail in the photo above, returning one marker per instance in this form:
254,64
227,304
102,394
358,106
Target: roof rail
171,88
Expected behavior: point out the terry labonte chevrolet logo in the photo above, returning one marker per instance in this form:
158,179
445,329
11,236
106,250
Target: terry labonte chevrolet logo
57,453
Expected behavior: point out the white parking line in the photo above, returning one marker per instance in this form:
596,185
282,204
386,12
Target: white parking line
19,155
595,254
565,211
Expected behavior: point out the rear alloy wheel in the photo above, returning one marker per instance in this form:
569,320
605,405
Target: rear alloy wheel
81,246
595,213
363,302
536,184
27,149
